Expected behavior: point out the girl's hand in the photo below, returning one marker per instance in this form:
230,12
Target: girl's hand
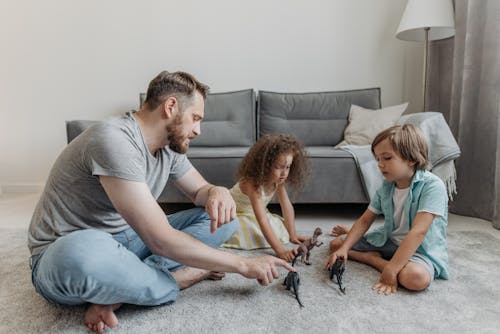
298,239
287,254
340,253
388,282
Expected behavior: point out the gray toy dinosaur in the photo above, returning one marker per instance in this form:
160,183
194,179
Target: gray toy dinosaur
292,282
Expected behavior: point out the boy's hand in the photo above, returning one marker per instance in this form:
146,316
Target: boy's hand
388,282
340,253
339,230
287,254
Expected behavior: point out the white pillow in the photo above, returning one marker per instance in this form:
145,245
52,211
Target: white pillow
365,124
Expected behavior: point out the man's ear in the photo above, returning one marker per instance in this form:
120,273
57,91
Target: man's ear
168,107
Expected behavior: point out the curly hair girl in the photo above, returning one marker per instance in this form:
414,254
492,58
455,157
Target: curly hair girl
257,164
271,163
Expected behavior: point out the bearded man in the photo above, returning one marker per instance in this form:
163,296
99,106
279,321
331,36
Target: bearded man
98,235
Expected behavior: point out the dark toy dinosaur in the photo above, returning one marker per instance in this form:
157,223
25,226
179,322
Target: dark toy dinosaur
292,282
304,250
338,271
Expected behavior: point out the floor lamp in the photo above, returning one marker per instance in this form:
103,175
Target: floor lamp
426,20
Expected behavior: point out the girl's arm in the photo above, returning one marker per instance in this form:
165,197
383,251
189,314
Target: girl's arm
288,214
357,231
260,213
389,278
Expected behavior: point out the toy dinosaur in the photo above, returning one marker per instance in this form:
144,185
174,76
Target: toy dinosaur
304,250
292,282
338,271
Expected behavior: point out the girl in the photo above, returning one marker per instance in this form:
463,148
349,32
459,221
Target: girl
272,162
410,248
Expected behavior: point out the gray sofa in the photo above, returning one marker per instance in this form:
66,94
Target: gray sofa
234,120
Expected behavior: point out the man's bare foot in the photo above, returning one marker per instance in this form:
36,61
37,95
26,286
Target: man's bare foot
188,276
97,317
338,230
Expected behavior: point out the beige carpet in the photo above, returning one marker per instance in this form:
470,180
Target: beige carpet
468,303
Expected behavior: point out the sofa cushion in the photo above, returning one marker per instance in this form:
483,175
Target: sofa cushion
365,124
217,152
229,120
315,118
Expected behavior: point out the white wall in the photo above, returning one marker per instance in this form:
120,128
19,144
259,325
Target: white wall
64,60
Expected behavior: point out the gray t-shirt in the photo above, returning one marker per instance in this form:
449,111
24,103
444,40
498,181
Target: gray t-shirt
74,199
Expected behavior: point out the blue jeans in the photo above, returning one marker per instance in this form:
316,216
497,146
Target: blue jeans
92,266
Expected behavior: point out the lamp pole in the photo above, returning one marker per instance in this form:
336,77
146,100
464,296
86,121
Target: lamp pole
426,55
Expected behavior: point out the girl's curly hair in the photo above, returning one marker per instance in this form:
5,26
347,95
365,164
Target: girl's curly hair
257,164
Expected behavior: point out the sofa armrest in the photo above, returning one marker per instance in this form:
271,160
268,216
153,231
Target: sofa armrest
74,128
442,144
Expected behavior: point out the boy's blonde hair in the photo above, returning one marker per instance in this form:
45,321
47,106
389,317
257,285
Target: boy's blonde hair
408,142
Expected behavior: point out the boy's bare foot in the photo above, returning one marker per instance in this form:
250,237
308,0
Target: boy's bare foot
338,230
363,257
97,317
373,259
188,276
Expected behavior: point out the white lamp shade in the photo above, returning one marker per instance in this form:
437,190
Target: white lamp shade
420,14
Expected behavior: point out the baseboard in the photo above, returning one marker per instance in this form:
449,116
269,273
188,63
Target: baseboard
21,188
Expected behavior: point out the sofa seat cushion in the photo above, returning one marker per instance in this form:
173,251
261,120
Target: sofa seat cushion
327,152
218,165
217,152
334,178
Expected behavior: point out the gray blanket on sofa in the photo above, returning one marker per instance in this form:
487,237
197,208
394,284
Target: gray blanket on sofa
443,150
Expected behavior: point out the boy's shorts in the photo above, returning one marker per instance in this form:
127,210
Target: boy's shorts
388,250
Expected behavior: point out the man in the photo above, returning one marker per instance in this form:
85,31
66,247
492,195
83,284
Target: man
98,236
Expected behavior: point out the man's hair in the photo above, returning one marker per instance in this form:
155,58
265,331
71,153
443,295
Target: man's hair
257,164
180,85
408,142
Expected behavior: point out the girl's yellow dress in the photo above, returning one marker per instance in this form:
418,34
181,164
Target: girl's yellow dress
249,234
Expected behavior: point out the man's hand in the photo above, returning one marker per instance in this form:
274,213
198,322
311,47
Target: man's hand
388,282
263,269
220,207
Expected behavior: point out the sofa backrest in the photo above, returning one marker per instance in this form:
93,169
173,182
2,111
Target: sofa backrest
318,119
229,120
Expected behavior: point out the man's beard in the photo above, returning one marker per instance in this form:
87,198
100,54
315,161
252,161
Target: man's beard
176,139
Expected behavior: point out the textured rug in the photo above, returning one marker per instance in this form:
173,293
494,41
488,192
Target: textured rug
467,303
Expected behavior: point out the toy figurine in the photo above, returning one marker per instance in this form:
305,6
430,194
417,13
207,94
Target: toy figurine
292,282
305,247
338,271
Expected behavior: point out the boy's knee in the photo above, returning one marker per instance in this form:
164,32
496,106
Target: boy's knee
335,244
415,279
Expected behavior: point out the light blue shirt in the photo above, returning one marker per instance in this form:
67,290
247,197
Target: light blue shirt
427,193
